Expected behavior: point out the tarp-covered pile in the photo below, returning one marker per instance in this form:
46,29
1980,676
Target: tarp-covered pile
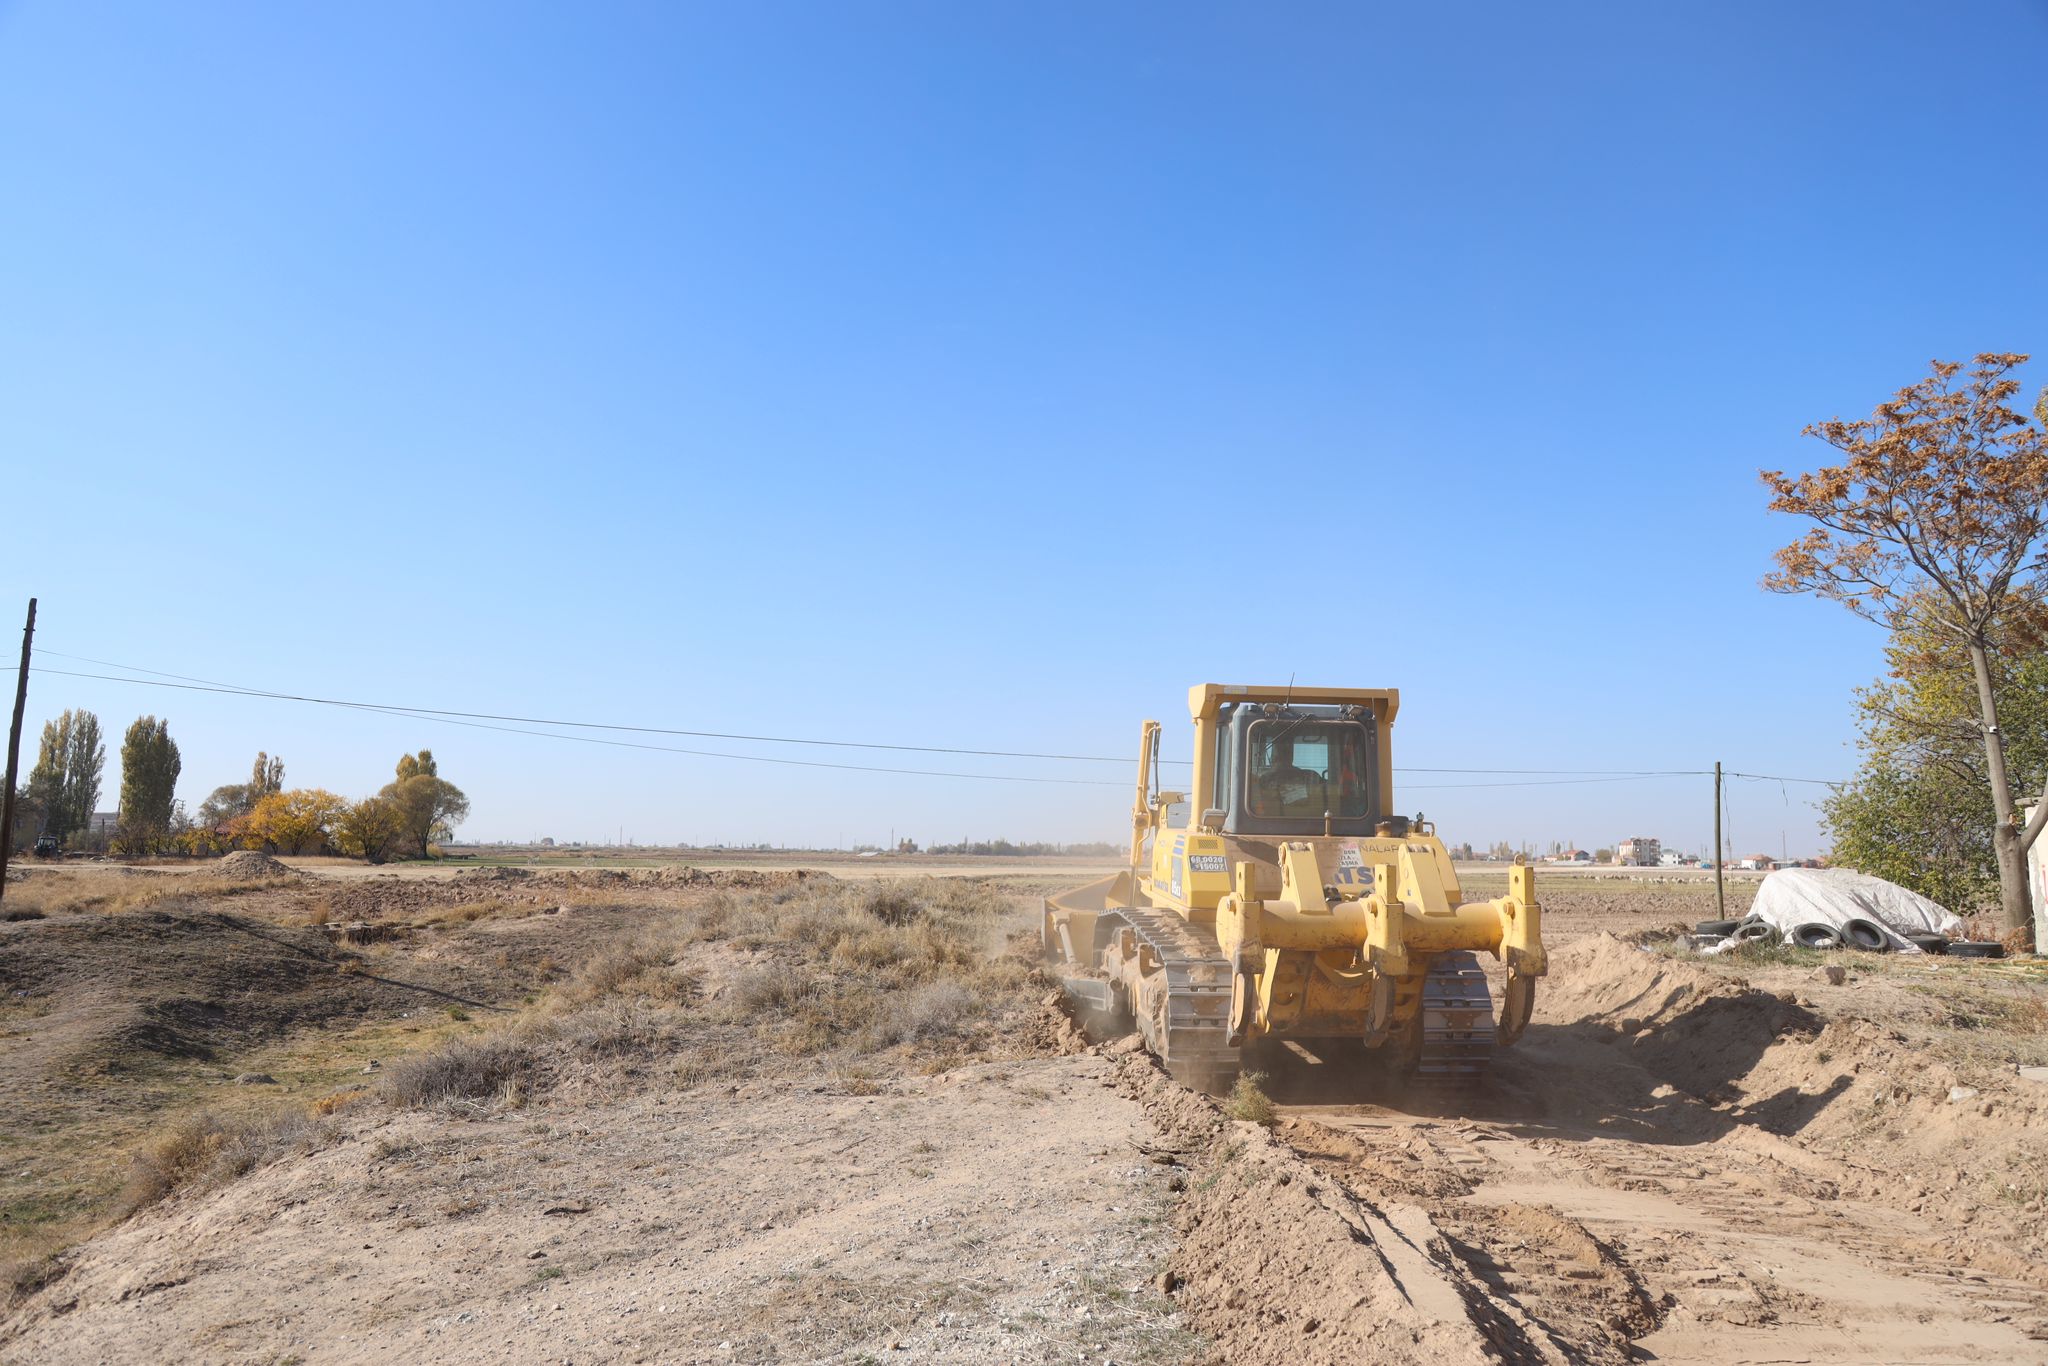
1792,897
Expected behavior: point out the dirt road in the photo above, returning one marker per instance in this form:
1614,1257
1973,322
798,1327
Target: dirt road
757,1225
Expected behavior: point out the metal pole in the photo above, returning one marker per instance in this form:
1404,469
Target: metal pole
1720,882
28,634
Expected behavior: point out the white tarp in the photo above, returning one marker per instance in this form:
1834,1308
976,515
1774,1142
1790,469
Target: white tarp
2037,882
1792,897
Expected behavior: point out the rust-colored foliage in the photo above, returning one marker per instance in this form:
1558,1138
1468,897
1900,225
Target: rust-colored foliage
1934,526
1940,506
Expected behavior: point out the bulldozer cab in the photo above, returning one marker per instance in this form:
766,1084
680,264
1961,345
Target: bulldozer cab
1297,769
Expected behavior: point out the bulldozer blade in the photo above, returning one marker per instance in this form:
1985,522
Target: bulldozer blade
1091,993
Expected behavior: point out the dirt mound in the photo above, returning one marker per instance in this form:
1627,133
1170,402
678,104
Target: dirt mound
1278,1263
249,865
1881,1106
1687,1026
493,875
113,993
684,876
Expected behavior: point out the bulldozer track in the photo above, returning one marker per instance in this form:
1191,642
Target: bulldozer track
1188,1027
1457,1025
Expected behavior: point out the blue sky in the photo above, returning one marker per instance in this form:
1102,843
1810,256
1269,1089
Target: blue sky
981,376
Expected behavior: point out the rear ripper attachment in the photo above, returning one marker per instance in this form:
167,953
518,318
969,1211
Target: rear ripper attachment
1279,900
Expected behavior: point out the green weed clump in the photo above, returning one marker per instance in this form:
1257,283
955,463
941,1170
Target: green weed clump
1247,1101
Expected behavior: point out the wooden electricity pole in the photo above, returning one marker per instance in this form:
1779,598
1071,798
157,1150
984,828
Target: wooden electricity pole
1720,883
28,634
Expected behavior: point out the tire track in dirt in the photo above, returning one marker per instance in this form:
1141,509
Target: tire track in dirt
1674,1165
1618,1247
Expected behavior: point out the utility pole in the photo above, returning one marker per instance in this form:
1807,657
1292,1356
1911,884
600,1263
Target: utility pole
28,635
1720,881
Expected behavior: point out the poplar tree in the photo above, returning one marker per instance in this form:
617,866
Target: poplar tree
149,778
65,781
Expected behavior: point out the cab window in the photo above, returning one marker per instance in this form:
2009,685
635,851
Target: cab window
1304,769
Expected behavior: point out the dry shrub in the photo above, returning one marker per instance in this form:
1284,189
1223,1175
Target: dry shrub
489,1068
935,1012
695,1067
471,911
527,1059
335,1102
647,967
314,913
209,1149
847,969
2030,1014
892,903
870,967
207,886
618,1031
770,991
23,1277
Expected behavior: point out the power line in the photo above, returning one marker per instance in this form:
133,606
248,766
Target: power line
1542,782
209,685
480,721
444,719
1573,772
1780,778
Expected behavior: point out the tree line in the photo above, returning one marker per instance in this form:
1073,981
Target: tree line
61,796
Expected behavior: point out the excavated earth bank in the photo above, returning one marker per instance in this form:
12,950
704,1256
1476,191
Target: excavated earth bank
1674,1166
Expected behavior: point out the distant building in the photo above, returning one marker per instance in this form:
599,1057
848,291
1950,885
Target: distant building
1639,852
103,823
1671,858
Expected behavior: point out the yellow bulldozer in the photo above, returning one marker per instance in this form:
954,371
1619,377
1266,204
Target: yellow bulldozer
1281,899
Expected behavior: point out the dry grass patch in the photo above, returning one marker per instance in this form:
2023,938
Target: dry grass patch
857,983
210,1149
850,970
498,1067
650,967
511,1066
118,892
470,911
869,966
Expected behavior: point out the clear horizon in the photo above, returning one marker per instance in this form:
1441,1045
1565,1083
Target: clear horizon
980,378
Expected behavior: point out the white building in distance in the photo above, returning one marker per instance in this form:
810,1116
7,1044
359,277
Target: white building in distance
1638,852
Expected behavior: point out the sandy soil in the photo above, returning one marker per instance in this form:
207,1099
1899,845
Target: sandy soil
1000,1212
1683,1160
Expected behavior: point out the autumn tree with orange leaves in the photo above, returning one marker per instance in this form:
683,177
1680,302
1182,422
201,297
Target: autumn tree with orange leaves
1937,522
